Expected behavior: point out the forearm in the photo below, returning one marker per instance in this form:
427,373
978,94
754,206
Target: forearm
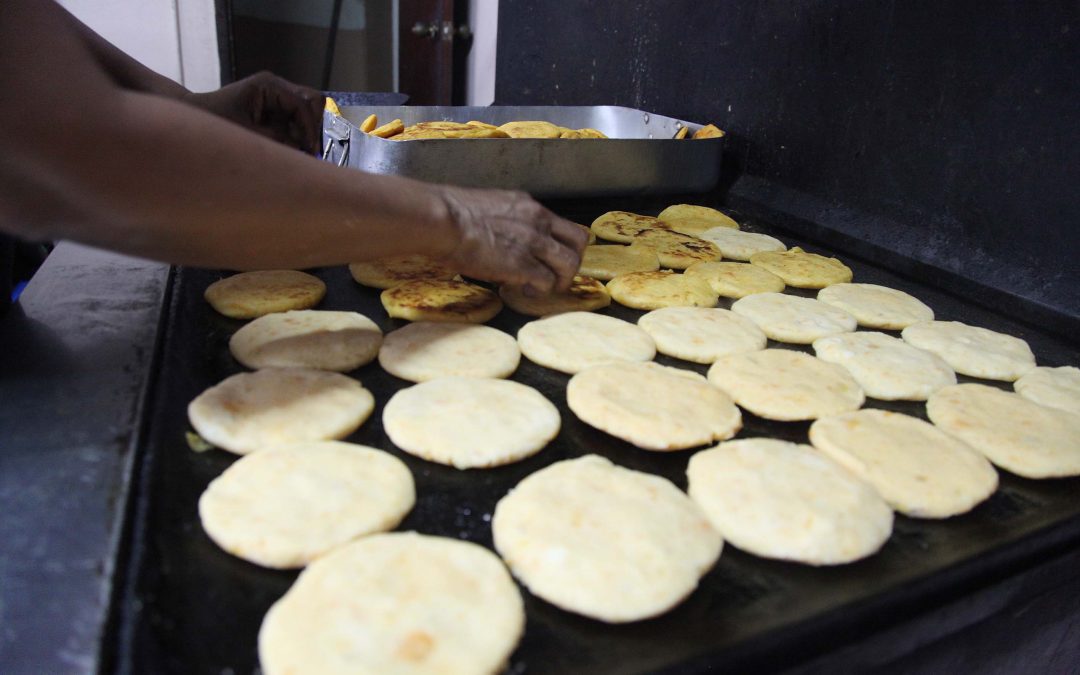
161,180
124,71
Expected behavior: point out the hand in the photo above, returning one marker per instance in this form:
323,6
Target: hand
508,237
272,106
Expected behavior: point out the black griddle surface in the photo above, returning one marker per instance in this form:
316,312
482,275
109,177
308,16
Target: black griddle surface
188,607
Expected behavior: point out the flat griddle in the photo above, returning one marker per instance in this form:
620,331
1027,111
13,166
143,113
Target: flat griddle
185,606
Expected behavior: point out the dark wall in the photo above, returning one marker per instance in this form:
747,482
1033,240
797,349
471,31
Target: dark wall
945,131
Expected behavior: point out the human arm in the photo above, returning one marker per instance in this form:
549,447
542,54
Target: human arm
150,175
265,103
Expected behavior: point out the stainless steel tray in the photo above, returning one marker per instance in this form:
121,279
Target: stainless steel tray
640,157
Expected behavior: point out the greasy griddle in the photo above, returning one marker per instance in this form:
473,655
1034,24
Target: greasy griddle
185,606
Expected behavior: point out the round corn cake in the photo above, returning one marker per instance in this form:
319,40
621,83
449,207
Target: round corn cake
621,226
785,385
1052,387
440,300
606,262
787,501
790,318
530,129
391,272
663,288
920,470
701,334
876,306
651,406
887,368
737,245
254,411
736,279
470,422
424,351
693,220
1014,433
585,294
574,341
307,338
606,542
253,294
801,269
972,350
395,603
288,505
675,250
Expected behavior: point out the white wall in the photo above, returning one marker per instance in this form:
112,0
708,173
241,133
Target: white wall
480,82
177,38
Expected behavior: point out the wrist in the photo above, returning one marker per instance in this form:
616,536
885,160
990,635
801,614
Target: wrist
442,231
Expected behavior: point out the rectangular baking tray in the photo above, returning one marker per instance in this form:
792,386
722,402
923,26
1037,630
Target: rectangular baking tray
640,157
188,607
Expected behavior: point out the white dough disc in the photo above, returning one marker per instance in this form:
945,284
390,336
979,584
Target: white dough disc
401,603
790,318
603,541
425,350
785,500
286,506
470,422
254,411
574,341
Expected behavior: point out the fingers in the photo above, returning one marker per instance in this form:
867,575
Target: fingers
294,111
562,261
569,233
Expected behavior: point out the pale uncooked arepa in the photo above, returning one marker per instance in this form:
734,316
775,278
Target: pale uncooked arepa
887,368
441,300
920,470
606,542
693,220
254,411
1014,433
1052,387
790,318
876,306
252,294
606,262
621,226
396,603
663,288
651,406
574,341
307,338
584,295
974,351
390,272
738,245
701,334
785,385
470,422
801,269
736,279
287,505
424,351
787,501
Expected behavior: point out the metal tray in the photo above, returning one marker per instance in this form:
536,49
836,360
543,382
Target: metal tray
641,156
188,607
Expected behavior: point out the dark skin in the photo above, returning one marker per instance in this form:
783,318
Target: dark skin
122,158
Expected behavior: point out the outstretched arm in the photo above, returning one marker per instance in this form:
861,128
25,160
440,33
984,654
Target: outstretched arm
264,103
98,159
